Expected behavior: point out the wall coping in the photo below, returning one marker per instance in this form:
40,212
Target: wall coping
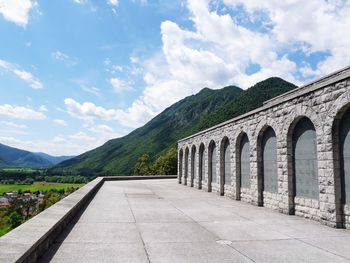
32,239
327,80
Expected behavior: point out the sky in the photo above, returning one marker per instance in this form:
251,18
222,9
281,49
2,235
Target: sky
76,73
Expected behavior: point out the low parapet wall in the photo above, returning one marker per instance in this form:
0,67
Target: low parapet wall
32,239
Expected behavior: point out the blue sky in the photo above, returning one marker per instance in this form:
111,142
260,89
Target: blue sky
75,73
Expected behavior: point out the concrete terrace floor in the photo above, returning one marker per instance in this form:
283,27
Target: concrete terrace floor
162,221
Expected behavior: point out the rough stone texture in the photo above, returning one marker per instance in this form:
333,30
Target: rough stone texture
161,221
323,102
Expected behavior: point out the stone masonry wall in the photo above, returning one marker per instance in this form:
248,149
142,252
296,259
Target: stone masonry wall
321,102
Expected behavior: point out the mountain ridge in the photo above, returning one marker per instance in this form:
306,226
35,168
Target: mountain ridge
14,157
184,118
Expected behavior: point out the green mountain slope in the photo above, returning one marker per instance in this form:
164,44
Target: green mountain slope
13,157
190,115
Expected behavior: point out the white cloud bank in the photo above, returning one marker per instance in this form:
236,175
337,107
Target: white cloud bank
20,112
73,144
17,11
219,50
88,111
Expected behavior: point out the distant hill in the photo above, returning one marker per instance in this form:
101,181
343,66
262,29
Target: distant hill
54,159
186,117
13,157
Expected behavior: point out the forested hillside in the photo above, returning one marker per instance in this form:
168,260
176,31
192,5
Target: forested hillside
188,116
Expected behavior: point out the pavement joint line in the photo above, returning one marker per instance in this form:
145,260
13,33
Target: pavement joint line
259,223
323,249
240,252
214,212
138,229
214,235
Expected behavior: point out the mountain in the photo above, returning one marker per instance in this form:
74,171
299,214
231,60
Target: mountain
54,159
188,116
13,157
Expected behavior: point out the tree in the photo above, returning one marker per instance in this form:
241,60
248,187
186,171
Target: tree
143,166
15,219
167,163
28,207
50,198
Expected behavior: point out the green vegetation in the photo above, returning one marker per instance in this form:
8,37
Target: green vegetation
164,165
184,118
66,179
36,186
29,201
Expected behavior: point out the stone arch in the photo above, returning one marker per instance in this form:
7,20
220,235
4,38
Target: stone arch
267,162
211,164
341,157
186,165
181,153
201,166
242,163
193,164
225,164
302,161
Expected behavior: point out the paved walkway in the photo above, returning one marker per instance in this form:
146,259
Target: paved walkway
161,221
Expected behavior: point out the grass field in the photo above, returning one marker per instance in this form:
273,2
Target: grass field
37,186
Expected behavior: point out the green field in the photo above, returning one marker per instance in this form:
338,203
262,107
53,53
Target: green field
37,186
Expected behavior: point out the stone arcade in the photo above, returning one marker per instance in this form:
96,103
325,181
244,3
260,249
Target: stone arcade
291,155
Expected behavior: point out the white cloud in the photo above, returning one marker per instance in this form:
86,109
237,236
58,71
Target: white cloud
14,125
113,2
29,78
104,133
134,59
59,145
81,2
101,129
43,108
92,90
142,2
88,111
60,122
311,26
107,62
26,76
82,136
119,85
21,112
60,56
17,11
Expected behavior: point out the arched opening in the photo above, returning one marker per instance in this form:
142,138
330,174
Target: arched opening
186,165
193,165
303,143
242,164
225,165
341,151
201,166
180,165
211,165
267,163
